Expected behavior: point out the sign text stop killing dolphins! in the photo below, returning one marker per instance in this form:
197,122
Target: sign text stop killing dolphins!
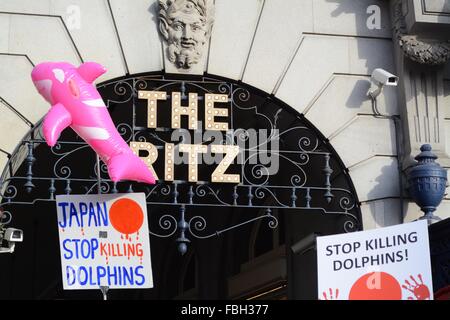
368,246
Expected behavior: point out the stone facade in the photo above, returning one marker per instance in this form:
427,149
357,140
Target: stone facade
315,55
422,50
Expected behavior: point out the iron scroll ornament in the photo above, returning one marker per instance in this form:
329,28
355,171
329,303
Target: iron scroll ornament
311,177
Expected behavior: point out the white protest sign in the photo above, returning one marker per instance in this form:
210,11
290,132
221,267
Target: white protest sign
104,241
390,263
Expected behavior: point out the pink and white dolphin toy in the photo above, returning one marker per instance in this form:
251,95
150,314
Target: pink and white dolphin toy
76,103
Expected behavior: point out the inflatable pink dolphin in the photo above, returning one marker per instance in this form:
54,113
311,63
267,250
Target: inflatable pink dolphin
76,103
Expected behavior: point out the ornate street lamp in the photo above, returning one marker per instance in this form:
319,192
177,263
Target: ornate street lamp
427,182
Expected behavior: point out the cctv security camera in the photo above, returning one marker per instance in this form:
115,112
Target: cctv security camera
385,78
13,235
305,244
379,79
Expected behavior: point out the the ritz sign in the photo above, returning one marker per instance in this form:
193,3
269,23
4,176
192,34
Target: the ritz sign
214,109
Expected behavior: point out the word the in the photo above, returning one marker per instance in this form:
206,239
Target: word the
190,110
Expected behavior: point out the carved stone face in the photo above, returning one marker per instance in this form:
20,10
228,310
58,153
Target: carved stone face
185,27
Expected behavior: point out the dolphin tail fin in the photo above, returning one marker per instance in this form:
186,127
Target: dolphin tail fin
91,71
128,166
56,120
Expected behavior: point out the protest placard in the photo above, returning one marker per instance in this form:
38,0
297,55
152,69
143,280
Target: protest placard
104,241
390,263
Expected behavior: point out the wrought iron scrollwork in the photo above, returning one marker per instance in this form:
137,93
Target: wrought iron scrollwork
196,226
301,151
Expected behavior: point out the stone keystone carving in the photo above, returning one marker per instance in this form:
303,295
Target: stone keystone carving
186,27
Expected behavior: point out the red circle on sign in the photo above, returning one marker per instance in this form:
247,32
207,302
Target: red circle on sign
126,216
376,286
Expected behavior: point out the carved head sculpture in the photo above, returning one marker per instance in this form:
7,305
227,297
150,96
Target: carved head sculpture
186,26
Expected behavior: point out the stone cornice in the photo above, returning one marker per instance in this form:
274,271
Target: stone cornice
416,47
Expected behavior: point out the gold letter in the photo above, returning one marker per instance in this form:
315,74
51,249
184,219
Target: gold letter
152,97
193,150
219,174
168,167
178,110
211,112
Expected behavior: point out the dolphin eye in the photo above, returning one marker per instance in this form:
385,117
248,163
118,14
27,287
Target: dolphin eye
73,87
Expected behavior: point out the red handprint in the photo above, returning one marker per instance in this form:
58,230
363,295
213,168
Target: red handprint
418,289
331,296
